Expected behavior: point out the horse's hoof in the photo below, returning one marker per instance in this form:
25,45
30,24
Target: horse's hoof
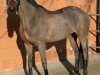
77,73
84,73
46,72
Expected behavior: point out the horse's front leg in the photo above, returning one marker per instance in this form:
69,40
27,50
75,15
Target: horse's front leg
42,51
29,49
76,51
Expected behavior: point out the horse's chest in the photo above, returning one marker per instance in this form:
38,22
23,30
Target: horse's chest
27,38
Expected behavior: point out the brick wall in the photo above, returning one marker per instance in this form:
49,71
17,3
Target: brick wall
12,50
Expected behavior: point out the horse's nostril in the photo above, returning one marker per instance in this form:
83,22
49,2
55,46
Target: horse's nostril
12,10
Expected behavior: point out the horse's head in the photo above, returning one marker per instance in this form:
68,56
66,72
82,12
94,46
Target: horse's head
12,5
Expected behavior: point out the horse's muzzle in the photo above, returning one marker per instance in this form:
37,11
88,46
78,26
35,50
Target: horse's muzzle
11,11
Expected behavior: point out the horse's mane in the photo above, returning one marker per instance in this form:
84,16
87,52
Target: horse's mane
39,7
33,2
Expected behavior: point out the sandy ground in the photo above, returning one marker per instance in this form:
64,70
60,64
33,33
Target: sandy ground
58,68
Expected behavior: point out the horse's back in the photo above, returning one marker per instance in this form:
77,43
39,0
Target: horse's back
80,18
71,19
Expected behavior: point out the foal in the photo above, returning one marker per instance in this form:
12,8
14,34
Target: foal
39,26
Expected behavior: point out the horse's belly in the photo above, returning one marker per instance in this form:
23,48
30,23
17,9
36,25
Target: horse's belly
56,36
57,33
53,39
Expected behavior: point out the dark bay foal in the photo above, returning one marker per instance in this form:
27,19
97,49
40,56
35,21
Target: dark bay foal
39,26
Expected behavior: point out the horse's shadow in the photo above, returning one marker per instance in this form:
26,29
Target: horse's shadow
62,55
13,23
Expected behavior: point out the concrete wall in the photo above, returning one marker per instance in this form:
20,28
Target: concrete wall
12,50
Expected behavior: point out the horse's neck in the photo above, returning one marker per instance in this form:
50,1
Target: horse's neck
25,8
25,12
23,4
23,1
33,2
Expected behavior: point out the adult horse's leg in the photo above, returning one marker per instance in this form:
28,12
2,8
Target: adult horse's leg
29,49
84,43
76,51
42,51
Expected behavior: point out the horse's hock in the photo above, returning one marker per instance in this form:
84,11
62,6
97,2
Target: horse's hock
12,47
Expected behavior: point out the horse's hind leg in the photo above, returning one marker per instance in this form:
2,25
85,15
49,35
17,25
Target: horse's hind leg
29,49
76,51
84,43
42,51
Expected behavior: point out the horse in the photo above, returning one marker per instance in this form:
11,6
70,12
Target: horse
39,26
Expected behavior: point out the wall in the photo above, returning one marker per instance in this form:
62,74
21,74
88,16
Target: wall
12,50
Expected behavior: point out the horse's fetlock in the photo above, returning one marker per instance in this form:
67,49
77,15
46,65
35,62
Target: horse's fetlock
30,64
